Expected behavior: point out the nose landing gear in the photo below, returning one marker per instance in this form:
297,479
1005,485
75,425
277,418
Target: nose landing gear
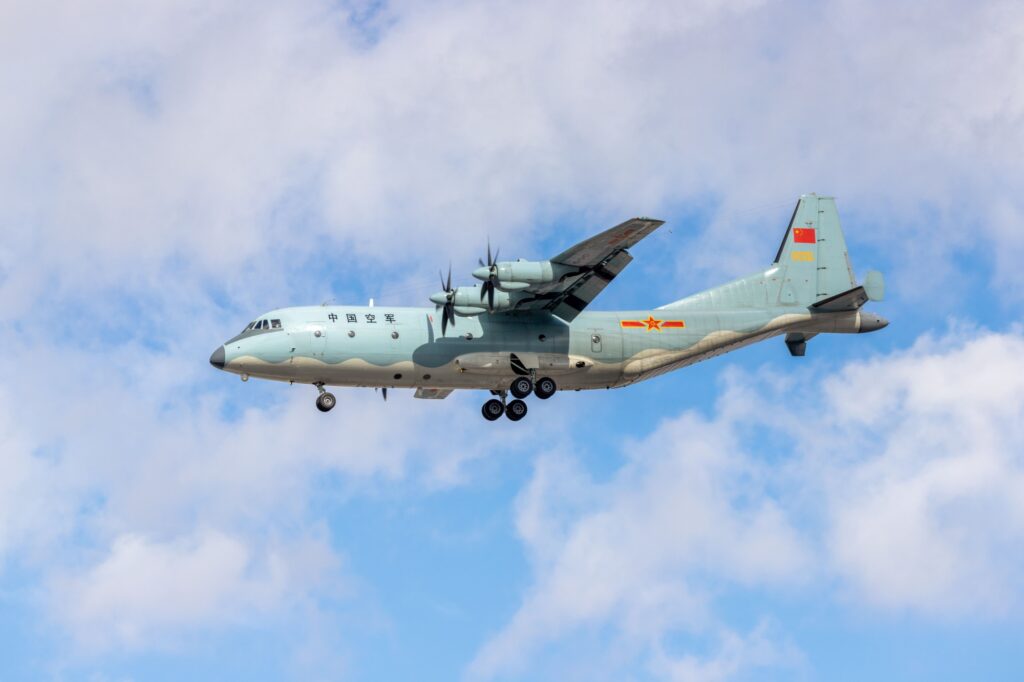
325,402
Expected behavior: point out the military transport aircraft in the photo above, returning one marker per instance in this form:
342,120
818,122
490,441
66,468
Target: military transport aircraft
524,329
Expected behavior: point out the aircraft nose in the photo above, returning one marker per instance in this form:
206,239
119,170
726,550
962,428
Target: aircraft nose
217,359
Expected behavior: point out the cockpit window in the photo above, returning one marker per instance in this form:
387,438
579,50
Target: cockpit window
258,326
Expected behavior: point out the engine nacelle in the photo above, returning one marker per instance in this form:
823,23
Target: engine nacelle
467,300
521,274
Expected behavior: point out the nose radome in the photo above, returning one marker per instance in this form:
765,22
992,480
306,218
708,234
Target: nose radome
217,359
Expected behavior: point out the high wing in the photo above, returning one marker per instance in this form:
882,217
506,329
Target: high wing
597,261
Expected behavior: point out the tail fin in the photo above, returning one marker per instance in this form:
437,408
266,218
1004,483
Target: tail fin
812,256
811,269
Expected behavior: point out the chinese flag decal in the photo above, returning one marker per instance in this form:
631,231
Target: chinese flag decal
803,235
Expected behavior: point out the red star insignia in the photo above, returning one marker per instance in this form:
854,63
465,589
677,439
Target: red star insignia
652,324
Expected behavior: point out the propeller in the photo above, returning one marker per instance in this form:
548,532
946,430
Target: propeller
384,392
448,307
487,288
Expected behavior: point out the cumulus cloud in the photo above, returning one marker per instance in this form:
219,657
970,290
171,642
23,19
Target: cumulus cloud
929,516
167,165
155,515
735,655
214,136
902,484
683,511
147,592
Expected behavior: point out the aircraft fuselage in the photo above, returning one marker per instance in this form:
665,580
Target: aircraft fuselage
403,347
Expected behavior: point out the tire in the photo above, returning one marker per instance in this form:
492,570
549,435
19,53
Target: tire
521,387
325,402
515,410
492,409
545,388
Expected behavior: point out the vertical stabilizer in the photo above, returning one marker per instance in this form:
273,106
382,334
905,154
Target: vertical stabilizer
813,255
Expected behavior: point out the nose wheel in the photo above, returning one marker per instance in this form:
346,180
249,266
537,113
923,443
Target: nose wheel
325,402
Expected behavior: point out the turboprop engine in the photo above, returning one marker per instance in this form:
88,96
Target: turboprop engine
467,301
521,274
511,276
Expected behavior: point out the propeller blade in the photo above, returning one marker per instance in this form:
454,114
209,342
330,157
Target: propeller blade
448,287
490,298
384,392
489,261
495,261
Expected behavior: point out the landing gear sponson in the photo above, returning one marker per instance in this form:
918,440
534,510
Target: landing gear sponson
520,388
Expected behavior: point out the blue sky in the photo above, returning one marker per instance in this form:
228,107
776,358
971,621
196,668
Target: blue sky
170,170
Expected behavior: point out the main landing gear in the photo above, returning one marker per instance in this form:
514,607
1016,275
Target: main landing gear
520,387
325,402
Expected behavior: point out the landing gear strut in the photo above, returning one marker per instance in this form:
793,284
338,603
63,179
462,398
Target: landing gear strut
325,402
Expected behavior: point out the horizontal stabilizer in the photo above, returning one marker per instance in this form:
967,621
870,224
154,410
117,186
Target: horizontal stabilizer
874,285
846,301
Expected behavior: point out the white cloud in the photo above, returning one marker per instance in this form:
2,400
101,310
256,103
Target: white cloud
735,655
146,591
138,137
903,479
112,479
149,149
684,506
930,517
